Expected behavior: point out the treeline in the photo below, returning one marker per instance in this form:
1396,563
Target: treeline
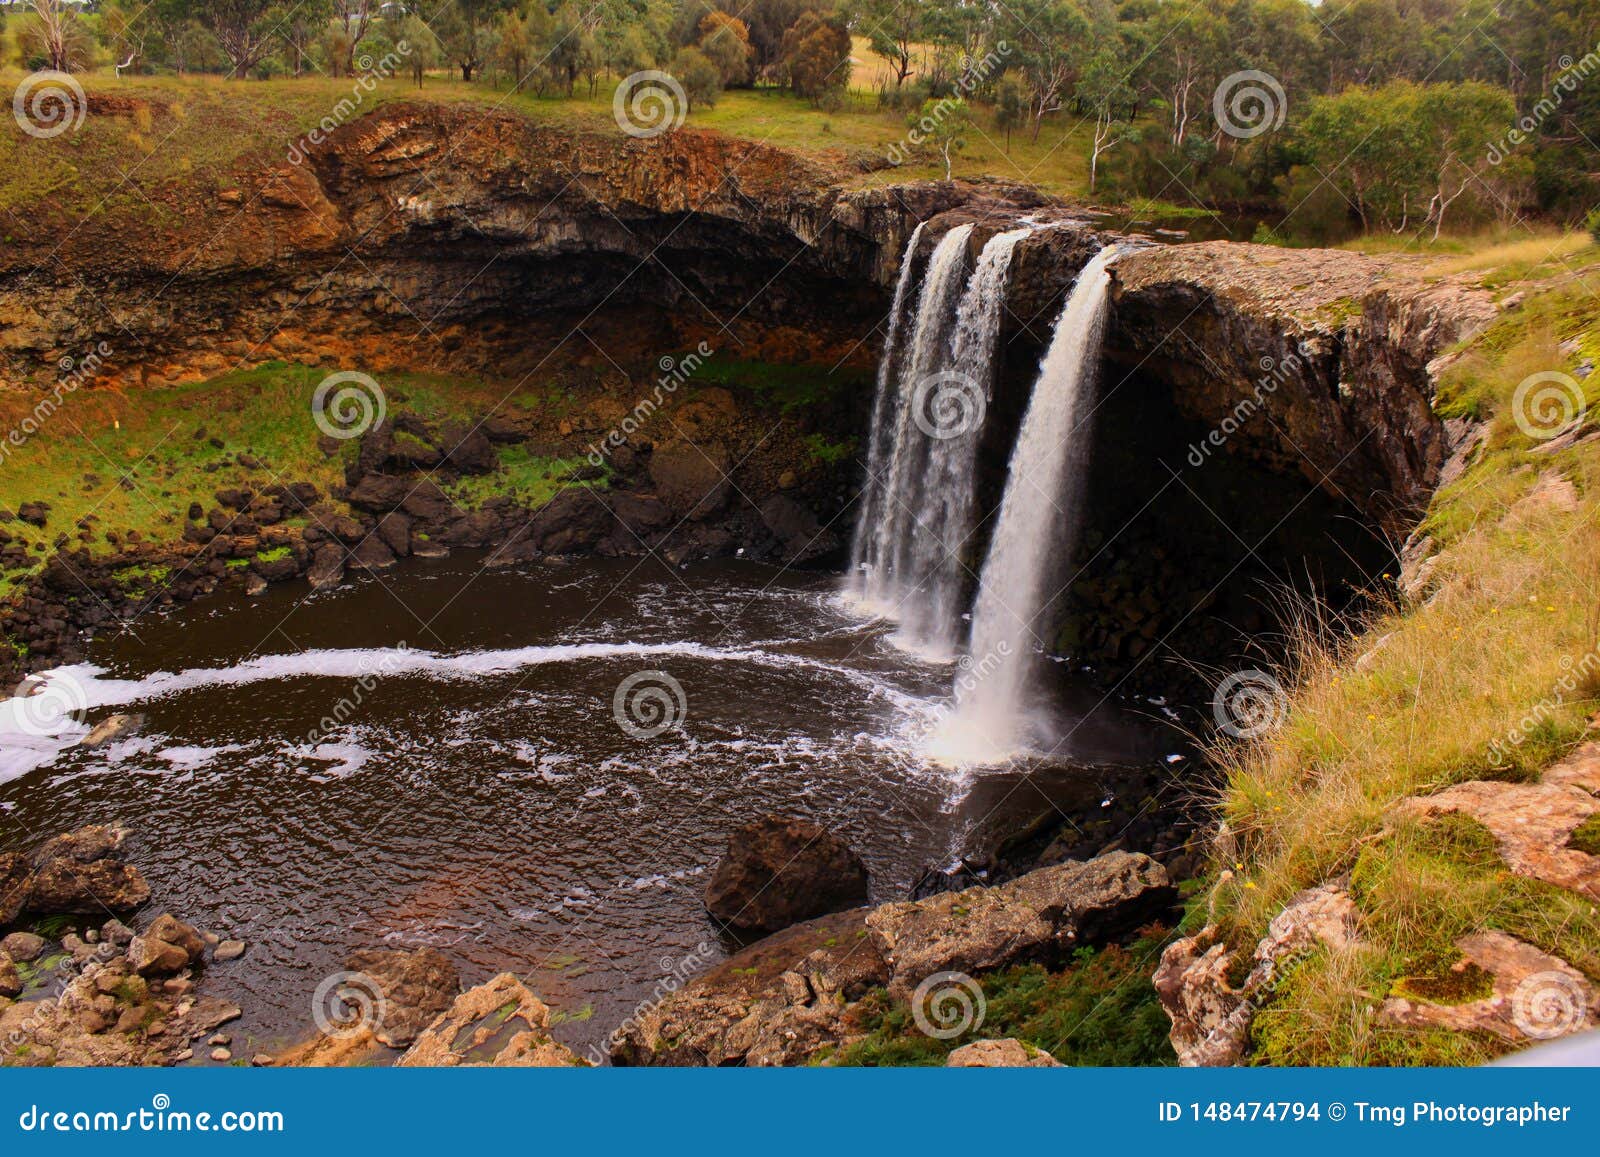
1399,114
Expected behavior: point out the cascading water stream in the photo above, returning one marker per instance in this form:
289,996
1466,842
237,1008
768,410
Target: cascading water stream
1037,526
894,514
950,407
880,441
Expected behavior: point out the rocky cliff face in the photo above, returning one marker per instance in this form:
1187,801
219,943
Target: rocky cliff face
448,238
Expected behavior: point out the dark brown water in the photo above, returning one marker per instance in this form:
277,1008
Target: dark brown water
441,757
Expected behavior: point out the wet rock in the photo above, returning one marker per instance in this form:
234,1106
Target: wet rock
167,946
1041,917
228,950
371,553
500,1023
413,988
23,946
790,998
82,846
115,932
10,980
221,1054
395,531
327,566
14,879
778,871
66,887
801,534
111,727
1009,1053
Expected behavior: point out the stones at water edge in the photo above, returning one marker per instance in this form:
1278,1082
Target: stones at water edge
10,978
77,873
166,947
412,989
111,727
792,997
500,1023
23,946
778,871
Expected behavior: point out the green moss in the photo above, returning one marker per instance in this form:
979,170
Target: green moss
276,554
1586,836
828,453
1100,1010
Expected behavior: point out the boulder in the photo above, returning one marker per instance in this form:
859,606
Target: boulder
692,480
780,1001
500,1023
167,946
779,871
23,946
10,980
801,536
1009,1053
66,888
1042,917
111,727
792,998
14,878
413,988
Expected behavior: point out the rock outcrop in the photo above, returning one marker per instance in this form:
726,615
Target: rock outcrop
779,871
792,997
1210,1016
1312,362
500,1023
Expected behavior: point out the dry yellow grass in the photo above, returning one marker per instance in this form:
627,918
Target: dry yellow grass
1488,674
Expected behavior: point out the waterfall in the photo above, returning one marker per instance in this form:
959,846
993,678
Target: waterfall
950,410
881,437
893,509
1037,527
927,419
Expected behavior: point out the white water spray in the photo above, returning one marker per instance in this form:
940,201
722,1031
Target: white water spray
1037,527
